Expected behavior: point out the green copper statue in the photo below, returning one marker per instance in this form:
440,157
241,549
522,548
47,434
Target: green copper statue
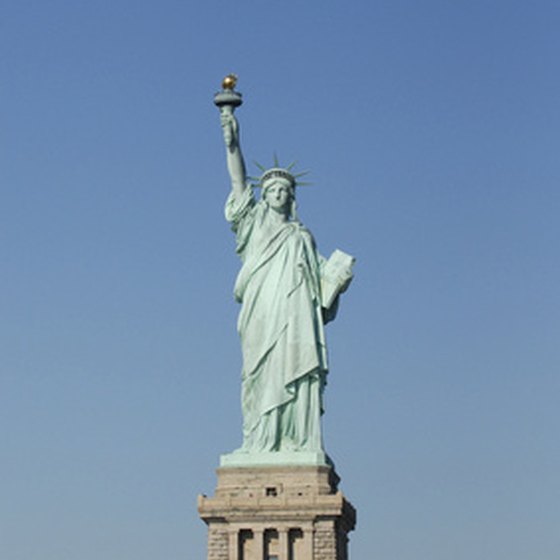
288,292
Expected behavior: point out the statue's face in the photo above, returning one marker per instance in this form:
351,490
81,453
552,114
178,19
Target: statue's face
277,195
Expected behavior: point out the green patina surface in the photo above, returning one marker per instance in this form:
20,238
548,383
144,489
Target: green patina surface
281,288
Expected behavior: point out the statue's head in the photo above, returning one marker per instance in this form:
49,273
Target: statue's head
278,190
279,196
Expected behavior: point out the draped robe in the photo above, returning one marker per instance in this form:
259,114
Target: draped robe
281,329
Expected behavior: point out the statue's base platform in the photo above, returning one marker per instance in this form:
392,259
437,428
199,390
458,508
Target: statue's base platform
282,512
276,458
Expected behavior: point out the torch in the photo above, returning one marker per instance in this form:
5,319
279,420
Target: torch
227,100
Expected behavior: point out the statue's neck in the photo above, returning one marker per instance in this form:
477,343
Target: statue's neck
276,218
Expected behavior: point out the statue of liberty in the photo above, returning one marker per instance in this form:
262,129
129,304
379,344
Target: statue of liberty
287,292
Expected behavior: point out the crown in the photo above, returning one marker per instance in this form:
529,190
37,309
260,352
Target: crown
277,172
281,172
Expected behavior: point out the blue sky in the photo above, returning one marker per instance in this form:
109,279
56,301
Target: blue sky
431,131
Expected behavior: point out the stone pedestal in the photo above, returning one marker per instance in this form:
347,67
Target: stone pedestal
277,513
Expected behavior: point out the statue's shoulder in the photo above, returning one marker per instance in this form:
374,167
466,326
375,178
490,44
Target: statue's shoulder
305,232
302,228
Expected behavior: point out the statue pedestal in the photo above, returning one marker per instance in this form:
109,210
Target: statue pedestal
277,513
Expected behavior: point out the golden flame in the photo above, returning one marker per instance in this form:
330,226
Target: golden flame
229,82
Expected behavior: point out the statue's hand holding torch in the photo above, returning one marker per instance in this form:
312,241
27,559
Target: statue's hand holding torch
230,126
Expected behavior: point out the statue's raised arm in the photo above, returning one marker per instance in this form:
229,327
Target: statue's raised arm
227,100
235,162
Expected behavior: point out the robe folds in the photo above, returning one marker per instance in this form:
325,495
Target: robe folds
281,329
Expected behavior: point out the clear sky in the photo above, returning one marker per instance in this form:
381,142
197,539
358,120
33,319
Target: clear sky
431,130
